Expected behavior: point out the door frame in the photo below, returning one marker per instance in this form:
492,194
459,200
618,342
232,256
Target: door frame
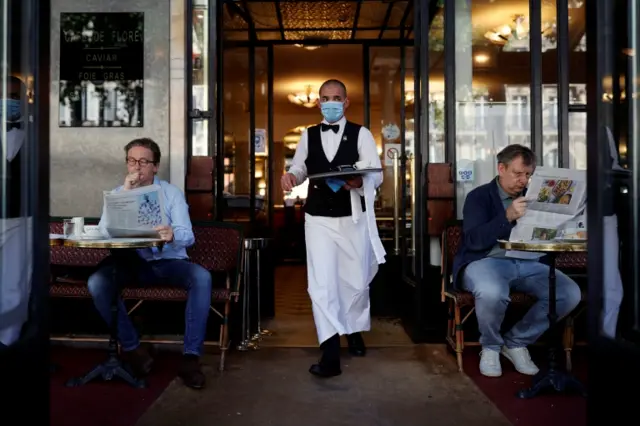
413,277
612,363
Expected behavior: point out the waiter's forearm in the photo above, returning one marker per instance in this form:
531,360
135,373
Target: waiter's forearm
299,173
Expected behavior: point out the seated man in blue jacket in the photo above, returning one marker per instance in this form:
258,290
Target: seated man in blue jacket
482,268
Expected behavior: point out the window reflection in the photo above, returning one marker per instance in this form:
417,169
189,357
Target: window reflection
16,162
492,86
199,88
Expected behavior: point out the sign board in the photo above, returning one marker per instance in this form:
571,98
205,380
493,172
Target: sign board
389,150
261,142
101,69
464,171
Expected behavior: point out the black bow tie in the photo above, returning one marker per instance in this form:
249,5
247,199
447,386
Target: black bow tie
334,127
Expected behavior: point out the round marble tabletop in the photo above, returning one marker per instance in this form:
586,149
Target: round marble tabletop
113,243
545,246
56,240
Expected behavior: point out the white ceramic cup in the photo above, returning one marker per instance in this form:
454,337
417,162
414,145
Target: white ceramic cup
78,225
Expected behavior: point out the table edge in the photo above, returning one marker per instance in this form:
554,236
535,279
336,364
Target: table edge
544,247
92,244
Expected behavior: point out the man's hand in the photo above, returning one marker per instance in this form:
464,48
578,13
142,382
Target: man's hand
132,181
517,209
166,233
288,181
354,183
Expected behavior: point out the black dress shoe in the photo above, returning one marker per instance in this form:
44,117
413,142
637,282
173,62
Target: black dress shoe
356,344
140,360
323,370
190,372
329,364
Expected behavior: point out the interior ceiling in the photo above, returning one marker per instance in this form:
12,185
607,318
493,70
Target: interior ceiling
318,21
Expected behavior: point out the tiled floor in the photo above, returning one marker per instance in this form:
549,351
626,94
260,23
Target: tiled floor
293,325
389,387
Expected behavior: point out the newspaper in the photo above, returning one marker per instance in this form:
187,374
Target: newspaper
556,207
134,213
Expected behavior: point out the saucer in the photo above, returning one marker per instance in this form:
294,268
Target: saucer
91,237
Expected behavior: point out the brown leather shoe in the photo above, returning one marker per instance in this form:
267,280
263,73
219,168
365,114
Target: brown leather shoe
139,359
190,372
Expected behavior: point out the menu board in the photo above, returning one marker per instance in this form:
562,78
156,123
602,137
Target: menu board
101,69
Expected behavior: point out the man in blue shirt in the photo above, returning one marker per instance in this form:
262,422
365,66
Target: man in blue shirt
152,266
490,273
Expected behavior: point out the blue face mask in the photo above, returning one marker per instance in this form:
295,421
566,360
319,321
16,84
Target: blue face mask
332,111
13,109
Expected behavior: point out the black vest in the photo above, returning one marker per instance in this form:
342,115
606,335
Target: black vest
321,200
11,185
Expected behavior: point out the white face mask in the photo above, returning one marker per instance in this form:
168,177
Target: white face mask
15,140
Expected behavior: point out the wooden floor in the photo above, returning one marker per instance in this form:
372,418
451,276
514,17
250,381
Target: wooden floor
293,325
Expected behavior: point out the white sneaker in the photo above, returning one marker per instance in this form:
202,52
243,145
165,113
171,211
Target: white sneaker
521,360
490,363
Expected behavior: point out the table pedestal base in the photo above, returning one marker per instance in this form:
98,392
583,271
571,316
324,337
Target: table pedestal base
113,366
109,369
557,380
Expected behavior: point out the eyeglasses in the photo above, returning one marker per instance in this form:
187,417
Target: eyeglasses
143,162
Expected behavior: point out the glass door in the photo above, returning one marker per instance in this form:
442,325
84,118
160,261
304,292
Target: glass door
414,146
24,206
202,111
613,173
619,177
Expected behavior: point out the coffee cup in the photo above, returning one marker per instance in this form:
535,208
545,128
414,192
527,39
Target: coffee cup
78,225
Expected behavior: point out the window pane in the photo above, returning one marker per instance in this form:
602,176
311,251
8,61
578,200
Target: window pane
16,163
492,77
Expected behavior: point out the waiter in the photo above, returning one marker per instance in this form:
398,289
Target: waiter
341,236
15,223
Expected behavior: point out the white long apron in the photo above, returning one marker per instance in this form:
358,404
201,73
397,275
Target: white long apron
342,259
15,276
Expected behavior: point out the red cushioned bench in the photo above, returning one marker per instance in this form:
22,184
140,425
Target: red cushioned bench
218,248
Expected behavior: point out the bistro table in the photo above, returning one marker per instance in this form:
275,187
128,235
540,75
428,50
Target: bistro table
555,377
113,366
56,240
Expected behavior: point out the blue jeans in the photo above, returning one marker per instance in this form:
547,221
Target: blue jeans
491,279
176,272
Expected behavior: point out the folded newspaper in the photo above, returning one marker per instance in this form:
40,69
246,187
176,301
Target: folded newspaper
556,208
134,213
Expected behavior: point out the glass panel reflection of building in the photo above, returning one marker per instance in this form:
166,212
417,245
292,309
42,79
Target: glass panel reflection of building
108,104
485,127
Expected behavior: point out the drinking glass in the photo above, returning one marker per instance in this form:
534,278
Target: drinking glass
68,228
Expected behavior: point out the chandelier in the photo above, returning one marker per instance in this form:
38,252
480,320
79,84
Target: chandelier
310,46
293,136
307,99
515,36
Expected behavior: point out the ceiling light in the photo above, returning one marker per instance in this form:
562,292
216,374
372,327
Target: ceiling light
309,46
482,58
307,99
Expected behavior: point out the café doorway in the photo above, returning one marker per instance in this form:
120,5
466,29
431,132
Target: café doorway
271,59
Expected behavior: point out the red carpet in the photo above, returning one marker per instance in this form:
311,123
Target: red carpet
547,410
99,403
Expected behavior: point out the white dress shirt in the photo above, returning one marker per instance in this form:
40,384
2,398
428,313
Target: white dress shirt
176,210
367,158
367,152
